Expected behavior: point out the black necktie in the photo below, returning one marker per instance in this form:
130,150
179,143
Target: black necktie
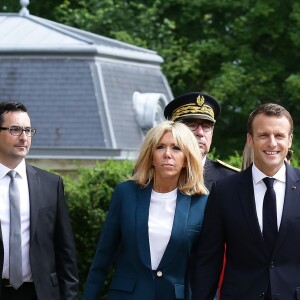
270,229
15,252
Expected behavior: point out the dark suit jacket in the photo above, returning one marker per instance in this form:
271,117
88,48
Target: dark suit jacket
231,218
213,171
126,229
52,248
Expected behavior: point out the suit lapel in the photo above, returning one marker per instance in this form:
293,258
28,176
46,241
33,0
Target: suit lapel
142,216
291,203
33,184
209,173
246,195
179,225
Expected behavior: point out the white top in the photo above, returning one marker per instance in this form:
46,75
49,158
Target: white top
260,190
21,178
160,223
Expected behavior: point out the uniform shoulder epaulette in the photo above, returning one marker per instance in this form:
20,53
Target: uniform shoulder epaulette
228,166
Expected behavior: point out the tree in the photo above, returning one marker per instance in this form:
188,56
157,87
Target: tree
43,9
242,52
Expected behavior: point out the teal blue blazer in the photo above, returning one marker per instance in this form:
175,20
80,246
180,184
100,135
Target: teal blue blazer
124,244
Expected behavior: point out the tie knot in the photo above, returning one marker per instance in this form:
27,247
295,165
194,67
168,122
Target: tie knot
269,182
12,174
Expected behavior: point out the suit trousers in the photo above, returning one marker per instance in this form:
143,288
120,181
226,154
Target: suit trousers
25,292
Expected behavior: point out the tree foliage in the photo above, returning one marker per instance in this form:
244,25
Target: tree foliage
242,52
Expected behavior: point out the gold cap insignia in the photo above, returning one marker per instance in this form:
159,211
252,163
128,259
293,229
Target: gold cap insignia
200,100
193,105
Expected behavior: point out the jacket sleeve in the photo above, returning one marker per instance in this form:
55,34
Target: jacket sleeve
65,252
208,259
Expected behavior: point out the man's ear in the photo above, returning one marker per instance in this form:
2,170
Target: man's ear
290,140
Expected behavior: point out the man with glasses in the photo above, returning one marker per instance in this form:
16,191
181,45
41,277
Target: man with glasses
37,249
199,112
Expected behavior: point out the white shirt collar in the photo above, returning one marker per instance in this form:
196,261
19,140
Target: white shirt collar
20,169
259,175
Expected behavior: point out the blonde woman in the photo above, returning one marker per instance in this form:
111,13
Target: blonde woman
154,220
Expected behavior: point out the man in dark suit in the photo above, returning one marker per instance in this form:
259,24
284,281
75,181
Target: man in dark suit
237,214
199,112
46,267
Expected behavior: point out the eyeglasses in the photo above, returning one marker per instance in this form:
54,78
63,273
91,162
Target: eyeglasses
206,127
18,130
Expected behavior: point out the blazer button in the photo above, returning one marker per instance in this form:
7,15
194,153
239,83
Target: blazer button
159,273
262,295
272,265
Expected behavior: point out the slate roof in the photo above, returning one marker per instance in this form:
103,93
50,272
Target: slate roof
78,87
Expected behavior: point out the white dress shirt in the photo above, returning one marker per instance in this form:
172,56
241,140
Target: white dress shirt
260,190
25,218
160,223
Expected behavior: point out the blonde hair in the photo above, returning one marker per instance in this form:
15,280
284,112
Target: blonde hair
191,177
247,158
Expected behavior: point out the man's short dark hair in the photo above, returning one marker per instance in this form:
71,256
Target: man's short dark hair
6,107
271,110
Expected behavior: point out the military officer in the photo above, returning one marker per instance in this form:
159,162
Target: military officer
199,112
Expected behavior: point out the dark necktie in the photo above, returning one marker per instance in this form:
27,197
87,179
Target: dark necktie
270,229
15,252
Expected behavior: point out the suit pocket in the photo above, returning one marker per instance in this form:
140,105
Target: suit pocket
193,232
193,228
122,284
179,291
54,279
47,209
